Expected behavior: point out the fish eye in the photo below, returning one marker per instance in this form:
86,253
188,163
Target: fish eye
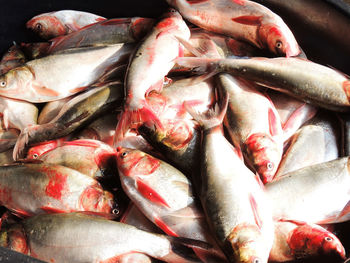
3,83
124,154
328,239
115,211
269,166
279,44
256,260
35,155
38,26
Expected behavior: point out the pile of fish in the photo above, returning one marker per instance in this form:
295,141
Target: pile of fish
203,136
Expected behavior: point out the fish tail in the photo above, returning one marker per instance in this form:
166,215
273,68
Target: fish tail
181,249
213,117
132,119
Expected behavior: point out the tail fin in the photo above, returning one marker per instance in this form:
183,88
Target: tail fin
133,119
213,117
181,249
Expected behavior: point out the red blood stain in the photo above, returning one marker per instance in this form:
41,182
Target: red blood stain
162,225
38,150
274,30
99,19
191,2
346,88
248,20
57,185
89,199
239,2
5,196
165,23
254,207
273,124
18,241
116,21
147,192
83,143
146,165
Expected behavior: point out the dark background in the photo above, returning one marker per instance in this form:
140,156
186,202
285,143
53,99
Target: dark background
329,45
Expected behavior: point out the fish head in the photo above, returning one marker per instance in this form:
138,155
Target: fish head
248,244
12,236
313,240
47,26
132,162
263,154
140,26
94,199
13,53
279,39
176,133
15,81
39,149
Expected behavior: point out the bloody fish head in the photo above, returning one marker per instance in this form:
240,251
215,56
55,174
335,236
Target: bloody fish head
248,244
279,40
134,162
176,135
94,199
264,155
47,26
312,240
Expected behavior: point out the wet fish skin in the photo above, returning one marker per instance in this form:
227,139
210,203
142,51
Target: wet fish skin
293,113
156,54
69,241
18,114
315,142
298,194
242,19
232,198
107,32
253,125
36,188
79,111
51,109
57,76
165,196
300,78
57,23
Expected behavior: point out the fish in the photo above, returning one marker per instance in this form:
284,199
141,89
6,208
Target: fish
254,125
17,114
134,217
298,77
233,198
107,32
14,57
315,142
57,23
243,20
151,61
178,141
57,76
78,112
211,44
90,157
35,50
51,109
8,139
298,195
296,240
293,113
64,238
28,189
102,129
41,148
165,197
